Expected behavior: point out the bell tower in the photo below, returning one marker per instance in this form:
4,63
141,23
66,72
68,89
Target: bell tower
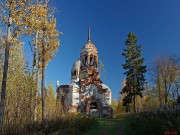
89,64
89,54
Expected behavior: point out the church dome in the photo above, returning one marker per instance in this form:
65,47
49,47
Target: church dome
76,65
88,47
75,70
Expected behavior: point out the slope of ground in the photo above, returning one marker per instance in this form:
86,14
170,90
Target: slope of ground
106,127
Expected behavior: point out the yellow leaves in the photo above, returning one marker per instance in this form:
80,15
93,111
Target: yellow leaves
14,20
49,40
20,4
42,12
15,41
21,87
36,17
17,14
33,19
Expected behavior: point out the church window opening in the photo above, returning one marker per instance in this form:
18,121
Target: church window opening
74,73
93,105
91,60
86,60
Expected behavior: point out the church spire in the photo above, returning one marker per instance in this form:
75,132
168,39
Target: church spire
89,33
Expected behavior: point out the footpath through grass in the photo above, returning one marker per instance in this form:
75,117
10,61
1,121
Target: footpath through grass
144,123
105,126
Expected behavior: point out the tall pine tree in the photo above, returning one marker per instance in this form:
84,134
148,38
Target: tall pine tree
135,71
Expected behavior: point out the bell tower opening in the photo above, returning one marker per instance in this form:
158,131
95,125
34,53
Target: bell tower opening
86,60
91,60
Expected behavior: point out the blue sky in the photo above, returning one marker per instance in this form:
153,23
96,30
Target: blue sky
155,22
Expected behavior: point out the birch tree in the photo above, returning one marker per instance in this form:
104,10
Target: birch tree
165,73
11,16
47,47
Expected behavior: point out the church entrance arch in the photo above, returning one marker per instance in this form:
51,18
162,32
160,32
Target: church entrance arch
94,105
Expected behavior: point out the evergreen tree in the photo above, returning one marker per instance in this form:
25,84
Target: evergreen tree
135,71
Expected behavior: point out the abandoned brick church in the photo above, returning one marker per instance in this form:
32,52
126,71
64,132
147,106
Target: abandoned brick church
86,93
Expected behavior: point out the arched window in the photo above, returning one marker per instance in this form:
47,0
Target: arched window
91,60
86,60
74,73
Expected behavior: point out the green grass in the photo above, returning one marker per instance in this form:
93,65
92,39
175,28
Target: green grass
71,124
126,127
145,123
104,126
150,124
114,128
96,127
76,126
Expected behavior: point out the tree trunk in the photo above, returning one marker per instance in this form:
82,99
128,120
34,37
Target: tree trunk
166,94
177,90
159,90
134,103
36,100
35,77
43,72
35,53
5,71
42,83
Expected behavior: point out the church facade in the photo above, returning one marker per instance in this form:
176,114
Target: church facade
86,93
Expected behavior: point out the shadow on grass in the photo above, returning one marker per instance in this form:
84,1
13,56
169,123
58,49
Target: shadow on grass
105,126
150,124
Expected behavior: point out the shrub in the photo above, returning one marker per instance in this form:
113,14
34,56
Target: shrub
152,123
71,124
